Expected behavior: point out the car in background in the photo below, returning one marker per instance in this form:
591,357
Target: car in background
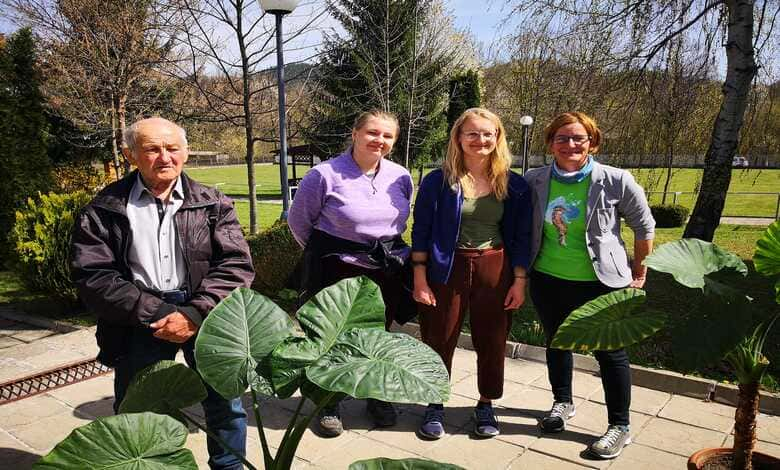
739,162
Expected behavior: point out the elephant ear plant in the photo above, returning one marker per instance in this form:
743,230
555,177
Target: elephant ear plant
338,347
721,323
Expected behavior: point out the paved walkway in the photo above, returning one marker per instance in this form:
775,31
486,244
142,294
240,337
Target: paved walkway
666,428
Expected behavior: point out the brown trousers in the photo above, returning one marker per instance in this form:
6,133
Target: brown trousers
478,283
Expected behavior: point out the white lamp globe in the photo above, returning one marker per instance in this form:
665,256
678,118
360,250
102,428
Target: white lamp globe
526,121
278,6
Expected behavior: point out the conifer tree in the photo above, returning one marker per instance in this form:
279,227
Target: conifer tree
24,165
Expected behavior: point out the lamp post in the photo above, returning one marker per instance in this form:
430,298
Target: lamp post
279,8
526,122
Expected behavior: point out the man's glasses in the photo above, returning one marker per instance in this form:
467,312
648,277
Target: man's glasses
577,139
474,135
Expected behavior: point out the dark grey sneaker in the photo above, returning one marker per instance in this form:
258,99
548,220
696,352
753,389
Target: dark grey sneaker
382,412
611,444
486,423
555,419
432,426
330,422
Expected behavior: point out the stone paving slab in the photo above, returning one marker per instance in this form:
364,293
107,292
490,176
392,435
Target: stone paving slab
666,428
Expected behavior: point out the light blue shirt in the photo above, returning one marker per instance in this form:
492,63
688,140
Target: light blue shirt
155,256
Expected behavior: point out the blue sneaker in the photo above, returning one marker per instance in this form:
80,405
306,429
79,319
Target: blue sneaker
486,423
432,426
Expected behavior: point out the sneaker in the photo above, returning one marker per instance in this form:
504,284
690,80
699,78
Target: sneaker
432,427
486,423
555,419
330,422
382,412
611,444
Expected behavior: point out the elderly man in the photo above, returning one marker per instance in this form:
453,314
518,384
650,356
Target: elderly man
152,255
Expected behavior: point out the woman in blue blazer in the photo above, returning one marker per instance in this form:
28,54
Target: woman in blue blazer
470,252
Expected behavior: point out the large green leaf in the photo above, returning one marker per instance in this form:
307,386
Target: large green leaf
690,259
715,325
767,255
608,322
350,303
165,388
383,463
142,441
235,340
372,363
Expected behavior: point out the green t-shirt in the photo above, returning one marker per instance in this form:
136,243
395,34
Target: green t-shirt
563,253
480,220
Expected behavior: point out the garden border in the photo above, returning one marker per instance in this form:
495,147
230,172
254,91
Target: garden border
17,315
655,379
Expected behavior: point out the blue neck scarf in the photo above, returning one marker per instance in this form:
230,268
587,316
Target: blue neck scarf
572,177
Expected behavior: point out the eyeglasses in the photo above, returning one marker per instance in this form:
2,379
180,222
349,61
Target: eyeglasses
577,139
474,135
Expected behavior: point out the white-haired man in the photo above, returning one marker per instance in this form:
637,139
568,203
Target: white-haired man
152,254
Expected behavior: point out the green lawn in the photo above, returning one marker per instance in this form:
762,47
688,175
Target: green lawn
737,205
233,179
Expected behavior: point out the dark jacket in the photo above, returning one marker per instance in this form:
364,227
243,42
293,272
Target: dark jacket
214,250
437,211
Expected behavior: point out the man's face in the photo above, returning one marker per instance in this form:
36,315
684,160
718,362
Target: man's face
160,152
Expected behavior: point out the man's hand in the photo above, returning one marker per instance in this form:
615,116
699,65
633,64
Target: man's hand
176,328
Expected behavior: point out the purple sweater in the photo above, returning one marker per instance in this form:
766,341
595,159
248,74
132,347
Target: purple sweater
337,198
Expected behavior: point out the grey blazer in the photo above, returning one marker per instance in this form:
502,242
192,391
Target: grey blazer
613,193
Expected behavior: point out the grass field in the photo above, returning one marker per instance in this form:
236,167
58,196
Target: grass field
233,179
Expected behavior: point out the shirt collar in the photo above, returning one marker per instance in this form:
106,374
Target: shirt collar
139,189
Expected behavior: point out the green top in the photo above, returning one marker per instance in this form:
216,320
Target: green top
479,222
563,253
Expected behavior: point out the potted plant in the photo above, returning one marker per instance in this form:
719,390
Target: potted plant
721,323
338,347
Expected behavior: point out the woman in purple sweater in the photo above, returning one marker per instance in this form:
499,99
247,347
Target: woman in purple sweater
349,214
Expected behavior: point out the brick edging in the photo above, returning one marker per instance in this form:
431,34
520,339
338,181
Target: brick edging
655,379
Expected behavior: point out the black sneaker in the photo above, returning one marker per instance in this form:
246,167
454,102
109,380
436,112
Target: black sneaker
611,444
382,412
555,419
432,426
330,422
486,423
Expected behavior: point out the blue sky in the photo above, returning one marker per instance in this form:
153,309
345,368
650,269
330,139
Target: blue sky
482,18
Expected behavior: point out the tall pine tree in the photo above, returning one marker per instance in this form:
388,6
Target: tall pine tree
24,165
390,59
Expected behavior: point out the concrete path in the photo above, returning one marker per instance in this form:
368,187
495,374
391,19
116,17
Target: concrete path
666,428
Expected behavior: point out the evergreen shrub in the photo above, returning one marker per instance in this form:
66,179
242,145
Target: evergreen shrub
40,240
669,215
275,255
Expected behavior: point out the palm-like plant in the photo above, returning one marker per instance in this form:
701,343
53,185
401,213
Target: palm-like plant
338,347
722,323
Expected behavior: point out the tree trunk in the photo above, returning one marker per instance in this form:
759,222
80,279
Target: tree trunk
116,140
669,158
745,426
248,121
740,70
122,115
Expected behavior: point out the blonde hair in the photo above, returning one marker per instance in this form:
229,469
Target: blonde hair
573,118
454,166
363,118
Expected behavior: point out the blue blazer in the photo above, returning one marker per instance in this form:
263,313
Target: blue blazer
437,211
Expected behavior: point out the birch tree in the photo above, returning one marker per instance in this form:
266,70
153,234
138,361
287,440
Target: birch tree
643,29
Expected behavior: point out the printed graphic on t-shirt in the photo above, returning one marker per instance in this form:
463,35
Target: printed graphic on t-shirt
562,212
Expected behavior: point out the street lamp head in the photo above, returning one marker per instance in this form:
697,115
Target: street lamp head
526,121
278,6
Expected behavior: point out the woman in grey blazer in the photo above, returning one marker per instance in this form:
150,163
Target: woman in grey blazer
577,254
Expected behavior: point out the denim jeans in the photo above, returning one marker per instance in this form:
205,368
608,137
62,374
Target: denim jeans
226,418
555,299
